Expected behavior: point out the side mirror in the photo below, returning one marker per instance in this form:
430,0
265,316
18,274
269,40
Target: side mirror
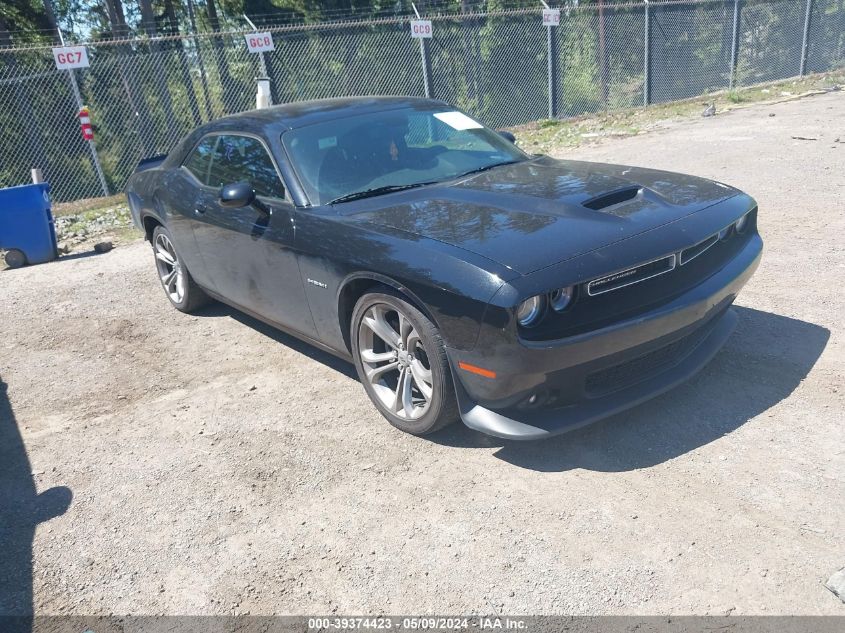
507,135
237,195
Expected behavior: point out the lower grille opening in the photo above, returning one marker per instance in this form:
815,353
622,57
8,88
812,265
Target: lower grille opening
623,375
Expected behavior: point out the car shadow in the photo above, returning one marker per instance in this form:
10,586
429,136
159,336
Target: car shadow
219,309
79,255
763,362
21,510
765,359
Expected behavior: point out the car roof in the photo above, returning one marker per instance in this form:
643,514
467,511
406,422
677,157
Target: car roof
302,113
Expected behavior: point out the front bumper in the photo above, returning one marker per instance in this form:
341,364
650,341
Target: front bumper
548,389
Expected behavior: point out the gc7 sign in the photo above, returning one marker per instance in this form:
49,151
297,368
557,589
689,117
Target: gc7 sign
69,57
420,28
259,42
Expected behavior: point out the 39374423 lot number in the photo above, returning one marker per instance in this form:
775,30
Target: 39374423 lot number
409,623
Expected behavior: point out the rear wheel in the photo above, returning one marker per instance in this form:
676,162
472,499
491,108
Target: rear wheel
179,286
401,361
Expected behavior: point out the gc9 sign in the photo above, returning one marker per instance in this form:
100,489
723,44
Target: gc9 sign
259,42
420,28
68,57
551,17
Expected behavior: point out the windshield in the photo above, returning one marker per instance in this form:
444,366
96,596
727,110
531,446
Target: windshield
376,153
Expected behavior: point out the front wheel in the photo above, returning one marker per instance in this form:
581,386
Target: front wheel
401,361
184,294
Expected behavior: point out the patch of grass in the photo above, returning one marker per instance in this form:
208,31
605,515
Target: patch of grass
547,136
88,204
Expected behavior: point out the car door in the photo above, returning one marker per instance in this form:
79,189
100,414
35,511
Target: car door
249,253
180,193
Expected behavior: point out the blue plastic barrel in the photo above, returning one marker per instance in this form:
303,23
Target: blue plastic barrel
26,225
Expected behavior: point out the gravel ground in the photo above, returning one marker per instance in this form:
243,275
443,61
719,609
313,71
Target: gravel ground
217,466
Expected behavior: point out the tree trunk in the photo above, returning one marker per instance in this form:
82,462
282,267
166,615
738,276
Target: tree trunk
117,20
159,72
198,49
229,98
603,55
139,107
182,61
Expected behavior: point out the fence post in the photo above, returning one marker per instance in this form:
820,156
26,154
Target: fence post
551,40
734,46
426,66
94,157
805,45
426,61
263,64
647,56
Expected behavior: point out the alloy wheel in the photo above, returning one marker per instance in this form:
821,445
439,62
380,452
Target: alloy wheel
395,361
169,268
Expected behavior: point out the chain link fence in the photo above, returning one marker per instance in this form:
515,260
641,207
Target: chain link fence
505,68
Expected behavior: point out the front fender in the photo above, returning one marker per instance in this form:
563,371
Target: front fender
339,260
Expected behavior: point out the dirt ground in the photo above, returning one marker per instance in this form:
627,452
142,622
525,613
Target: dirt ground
217,466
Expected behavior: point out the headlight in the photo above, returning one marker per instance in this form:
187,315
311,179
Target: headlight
560,298
741,223
529,311
725,233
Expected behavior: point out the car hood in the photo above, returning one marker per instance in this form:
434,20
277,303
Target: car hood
539,212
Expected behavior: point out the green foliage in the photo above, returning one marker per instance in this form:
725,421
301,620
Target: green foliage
145,94
26,20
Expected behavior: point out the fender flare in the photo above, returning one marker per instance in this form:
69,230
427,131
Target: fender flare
377,278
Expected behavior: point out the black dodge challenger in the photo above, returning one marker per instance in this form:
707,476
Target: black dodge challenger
464,278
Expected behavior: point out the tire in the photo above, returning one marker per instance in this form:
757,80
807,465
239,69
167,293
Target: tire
402,365
15,258
179,287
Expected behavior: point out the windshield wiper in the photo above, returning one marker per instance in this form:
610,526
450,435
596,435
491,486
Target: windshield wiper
487,168
377,191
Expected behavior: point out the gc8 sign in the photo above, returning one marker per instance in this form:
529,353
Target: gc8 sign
420,28
259,42
68,57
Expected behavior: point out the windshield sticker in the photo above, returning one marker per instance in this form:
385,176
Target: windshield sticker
325,143
458,121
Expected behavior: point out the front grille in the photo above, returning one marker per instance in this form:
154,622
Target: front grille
689,254
591,312
631,276
647,366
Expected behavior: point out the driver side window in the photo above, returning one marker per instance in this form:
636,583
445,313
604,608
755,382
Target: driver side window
228,158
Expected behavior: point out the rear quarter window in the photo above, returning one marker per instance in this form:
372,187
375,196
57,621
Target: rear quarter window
199,160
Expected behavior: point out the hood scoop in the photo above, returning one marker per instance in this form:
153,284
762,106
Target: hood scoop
612,198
